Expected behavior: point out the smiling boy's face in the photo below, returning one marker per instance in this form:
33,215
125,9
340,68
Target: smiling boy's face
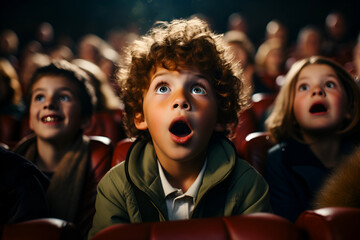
55,109
180,112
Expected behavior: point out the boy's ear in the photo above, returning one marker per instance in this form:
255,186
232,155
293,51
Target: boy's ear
140,122
85,122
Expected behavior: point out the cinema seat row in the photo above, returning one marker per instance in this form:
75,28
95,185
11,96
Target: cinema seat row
335,223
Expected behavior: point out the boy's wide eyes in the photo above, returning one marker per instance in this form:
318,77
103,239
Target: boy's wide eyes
60,98
64,98
198,90
39,98
162,89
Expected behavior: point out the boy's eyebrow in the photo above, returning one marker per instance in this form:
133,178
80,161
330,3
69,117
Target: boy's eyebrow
158,74
199,75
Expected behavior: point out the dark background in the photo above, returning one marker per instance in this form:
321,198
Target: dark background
75,18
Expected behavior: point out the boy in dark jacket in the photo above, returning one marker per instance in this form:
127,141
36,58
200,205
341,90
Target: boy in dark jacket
182,94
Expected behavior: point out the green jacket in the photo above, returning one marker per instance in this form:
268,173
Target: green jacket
247,191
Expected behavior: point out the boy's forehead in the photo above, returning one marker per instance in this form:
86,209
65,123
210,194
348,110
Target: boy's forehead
158,71
55,81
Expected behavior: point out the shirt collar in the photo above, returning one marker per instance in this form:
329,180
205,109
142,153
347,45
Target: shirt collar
192,191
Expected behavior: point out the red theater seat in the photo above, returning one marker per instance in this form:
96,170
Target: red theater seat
247,125
101,156
121,150
40,229
256,146
258,226
261,102
107,124
9,129
333,223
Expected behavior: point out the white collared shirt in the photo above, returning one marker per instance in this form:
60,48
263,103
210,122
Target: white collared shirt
180,204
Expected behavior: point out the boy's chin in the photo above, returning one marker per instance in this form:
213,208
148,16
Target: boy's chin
59,138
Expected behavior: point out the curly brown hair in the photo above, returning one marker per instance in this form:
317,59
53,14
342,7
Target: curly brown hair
181,43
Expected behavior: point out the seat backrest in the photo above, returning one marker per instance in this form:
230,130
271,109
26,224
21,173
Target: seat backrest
256,146
247,125
261,102
9,129
25,128
256,226
330,223
120,151
4,145
40,229
101,155
261,226
106,124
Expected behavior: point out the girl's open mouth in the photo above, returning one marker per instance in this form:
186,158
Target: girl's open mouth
318,108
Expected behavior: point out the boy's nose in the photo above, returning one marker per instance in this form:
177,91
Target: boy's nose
181,102
181,105
51,105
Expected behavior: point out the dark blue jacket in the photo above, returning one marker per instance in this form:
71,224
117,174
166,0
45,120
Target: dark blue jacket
22,189
294,174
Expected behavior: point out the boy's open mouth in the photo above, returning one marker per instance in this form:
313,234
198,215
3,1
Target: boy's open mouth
180,130
318,108
51,119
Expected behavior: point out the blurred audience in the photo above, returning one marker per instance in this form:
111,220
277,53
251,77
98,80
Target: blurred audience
12,108
45,36
106,98
29,64
9,43
243,52
237,22
106,120
353,66
277,29
337,44
62,52
270,66
10,91
308,43
89,48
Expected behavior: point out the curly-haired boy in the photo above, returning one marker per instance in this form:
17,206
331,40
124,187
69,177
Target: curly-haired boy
182,95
